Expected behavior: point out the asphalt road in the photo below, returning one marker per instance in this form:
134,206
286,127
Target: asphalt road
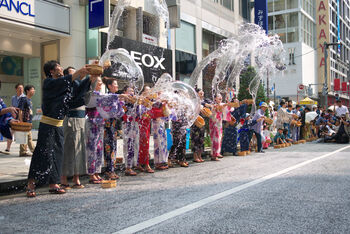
301,189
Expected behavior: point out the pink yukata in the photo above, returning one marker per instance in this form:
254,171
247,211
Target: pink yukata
215,126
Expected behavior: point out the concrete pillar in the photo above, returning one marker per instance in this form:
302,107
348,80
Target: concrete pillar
72,49
139,24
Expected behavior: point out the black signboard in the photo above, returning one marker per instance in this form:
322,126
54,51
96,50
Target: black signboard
153,60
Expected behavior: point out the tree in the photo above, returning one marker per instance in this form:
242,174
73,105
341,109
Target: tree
245,78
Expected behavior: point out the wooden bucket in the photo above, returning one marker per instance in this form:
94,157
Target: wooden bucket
268,121
95,69
250,101
242,153
199,122
21,126
108,184
233,104
277,146
206,112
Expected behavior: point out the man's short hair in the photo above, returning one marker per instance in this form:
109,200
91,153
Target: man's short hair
18,84
28,88
290,106
48,66
66,71
297,106
307,108
282,103
338,101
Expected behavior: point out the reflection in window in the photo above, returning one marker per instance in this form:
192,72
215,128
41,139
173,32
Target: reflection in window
185,64
11,65
279,5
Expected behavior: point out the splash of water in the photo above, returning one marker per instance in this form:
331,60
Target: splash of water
159,8
123,66
181,97
231,56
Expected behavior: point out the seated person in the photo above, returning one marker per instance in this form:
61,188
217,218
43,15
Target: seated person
287,139
279,138
327,132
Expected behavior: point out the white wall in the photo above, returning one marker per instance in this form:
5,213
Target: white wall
287,81
19,46
72,49
309,67
303,72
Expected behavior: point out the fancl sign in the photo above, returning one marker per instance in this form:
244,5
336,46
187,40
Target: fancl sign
20,7
48,15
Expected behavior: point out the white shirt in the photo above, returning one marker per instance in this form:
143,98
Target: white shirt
343,110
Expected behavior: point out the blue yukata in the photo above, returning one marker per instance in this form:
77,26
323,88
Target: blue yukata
5,121
244,133
229,142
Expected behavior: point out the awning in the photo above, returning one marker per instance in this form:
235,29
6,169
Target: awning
307,101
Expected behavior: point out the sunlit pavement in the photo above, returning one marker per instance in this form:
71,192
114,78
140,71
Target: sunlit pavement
311,196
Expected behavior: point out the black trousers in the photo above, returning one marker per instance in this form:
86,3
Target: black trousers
46,164
258,139
178,149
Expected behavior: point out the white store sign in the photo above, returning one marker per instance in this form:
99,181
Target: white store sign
39,13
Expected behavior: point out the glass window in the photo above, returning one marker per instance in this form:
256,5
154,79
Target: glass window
292,36
291,4
270,22
185,64
293,19
270,5
228,4
11,65
279,5
186,37
282,37
280,21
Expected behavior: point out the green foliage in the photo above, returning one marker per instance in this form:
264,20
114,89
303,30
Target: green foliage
245,78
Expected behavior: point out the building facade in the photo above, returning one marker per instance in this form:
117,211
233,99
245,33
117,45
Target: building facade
304,26
201,25
33,32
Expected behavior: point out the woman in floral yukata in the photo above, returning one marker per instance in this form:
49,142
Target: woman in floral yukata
153,112
159,137
110,134
197,134
131,133
215,126
99,107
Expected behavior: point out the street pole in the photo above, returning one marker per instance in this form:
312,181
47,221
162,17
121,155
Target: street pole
274,93
325,85
267,86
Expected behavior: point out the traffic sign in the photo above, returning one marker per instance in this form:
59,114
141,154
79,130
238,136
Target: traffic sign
301,86
98,13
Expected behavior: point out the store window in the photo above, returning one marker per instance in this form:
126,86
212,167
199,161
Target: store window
185,64
211,42
11,65
186,37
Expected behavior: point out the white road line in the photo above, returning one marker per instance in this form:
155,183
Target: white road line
159,219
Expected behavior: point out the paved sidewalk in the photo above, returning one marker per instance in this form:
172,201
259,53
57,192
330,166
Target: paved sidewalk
14,169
